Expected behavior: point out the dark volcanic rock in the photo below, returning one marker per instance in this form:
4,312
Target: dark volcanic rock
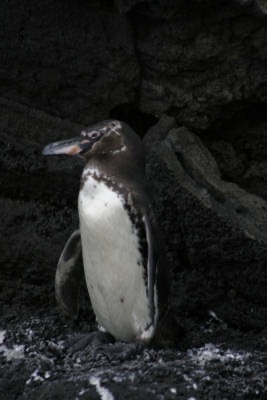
216,232
201,61
73,60
255,6
31,206
241,151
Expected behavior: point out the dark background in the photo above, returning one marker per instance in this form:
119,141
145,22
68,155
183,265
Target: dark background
191,78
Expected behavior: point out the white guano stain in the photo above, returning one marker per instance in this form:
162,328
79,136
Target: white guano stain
103,392
2,336
210,352
14,353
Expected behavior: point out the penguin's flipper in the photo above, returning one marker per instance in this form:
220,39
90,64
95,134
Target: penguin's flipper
69,275
151,262
157,279
157,274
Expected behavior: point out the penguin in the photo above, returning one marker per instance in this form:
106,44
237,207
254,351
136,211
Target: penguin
123,259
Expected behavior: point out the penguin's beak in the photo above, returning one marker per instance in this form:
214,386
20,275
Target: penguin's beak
70,147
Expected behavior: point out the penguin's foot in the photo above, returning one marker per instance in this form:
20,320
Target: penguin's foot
81,342
120,351
101,345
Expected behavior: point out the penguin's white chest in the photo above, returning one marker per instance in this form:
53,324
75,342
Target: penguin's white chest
113,263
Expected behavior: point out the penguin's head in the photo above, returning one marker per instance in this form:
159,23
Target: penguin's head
103,138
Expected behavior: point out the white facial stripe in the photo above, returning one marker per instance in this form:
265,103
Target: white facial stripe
115,126
115,131
119,150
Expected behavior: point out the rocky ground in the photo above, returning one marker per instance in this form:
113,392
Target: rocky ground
190,77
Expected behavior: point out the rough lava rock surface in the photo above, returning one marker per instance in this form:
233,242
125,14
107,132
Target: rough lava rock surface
219,232
200,70
200,61
73,60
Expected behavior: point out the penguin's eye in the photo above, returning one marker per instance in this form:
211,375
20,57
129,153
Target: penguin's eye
94,134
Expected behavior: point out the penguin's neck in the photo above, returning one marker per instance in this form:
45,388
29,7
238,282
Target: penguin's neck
120,167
